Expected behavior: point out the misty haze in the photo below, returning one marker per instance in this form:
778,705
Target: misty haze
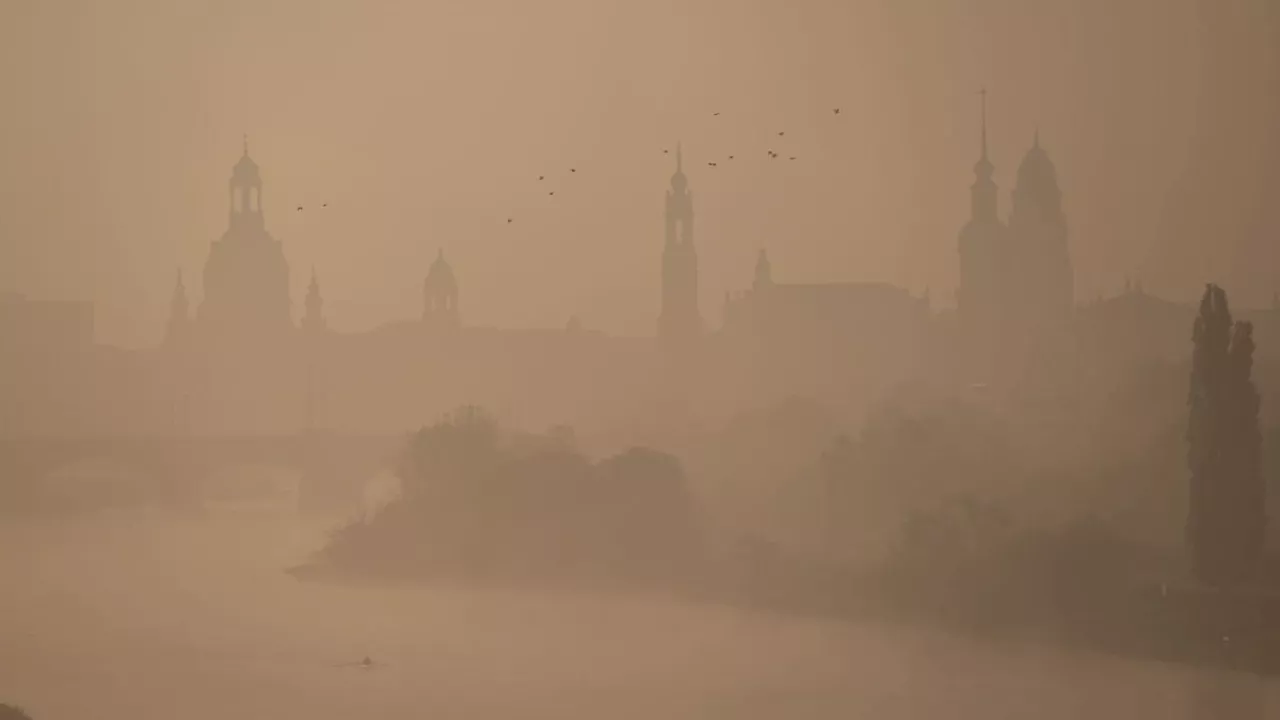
621,359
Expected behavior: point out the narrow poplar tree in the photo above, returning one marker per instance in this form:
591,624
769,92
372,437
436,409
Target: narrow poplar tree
1226,521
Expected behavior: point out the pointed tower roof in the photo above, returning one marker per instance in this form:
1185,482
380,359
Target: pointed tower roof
178,304
179,310
764,269
440,270
314,319
983,168
245,168
679,183
1038,178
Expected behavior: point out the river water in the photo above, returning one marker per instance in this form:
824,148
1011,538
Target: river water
145,615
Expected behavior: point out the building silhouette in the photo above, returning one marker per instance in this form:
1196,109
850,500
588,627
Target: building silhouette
1017,283
241,365
1044,279
680,321
246,276
313,320
985,253
178,330
440,295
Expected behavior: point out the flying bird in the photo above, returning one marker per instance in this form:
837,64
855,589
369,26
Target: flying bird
573,169
715,114
730,157
836,111
553,192
365,664
793,157
664,151
508,221
784,132
711,164
299,208
541,176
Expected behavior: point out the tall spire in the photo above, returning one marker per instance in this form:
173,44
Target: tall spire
679,156
246,144
764,271
179,312
983,93
314,318
983,191
1035,143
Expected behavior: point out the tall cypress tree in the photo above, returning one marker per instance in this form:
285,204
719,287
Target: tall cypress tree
1226,519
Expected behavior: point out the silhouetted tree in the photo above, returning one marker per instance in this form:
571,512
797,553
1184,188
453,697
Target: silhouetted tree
456,446
1226,519
483,503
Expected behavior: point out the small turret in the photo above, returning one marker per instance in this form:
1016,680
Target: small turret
313,321
179,314
440,293
764,272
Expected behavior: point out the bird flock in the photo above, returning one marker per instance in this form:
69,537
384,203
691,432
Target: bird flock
713,164
710,163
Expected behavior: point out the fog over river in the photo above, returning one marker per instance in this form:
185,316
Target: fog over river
148,614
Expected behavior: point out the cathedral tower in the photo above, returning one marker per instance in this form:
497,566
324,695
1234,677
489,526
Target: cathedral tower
680,320
1038,229
983,248
246,277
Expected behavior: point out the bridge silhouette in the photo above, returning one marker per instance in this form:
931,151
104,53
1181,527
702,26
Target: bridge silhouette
333,467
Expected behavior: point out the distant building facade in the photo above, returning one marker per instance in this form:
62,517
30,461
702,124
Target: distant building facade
246,276
240,363
679,322
1017,282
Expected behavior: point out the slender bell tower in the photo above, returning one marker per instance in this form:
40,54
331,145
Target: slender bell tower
680,320
983,250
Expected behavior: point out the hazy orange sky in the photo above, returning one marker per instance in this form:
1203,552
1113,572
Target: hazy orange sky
425,125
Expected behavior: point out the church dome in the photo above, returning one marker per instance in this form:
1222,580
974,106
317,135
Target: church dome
1037,191
245,170
1037,173
441,271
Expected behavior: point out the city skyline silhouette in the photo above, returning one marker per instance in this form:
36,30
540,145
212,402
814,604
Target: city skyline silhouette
621,358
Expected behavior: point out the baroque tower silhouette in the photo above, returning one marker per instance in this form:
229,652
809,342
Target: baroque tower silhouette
1038,227
679,321
440,294
246,276
984,250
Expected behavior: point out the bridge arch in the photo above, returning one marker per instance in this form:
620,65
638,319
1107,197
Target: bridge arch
332,471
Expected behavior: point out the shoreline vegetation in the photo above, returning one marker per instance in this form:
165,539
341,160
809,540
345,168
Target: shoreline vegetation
1129,518
483,508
